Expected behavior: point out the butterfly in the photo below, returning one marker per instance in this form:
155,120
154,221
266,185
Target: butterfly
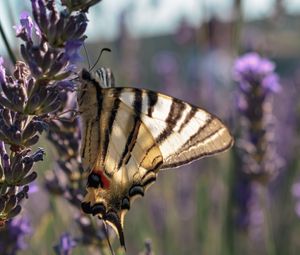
129,134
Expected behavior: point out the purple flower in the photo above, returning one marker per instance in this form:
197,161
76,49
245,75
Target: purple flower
25,29
253,70
72,50
66,244
257,155
271,83
19,228
12,237
25,26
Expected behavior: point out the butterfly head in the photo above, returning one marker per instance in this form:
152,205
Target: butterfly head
90,87
102,77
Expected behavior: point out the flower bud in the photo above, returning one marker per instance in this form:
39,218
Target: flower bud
14,212
10,204
31,141
28,179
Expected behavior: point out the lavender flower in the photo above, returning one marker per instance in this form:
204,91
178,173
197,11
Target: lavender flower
65,246
36,90
72,51
12,238
25,29
61,33
259,162
16,175
251,70
257,81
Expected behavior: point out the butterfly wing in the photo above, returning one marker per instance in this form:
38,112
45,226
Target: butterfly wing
121,155
129,134
182,131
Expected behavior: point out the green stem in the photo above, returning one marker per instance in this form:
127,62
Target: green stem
9,50
267,225
229,230
237,27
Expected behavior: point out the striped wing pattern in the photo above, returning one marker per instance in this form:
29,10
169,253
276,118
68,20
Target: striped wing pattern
129,134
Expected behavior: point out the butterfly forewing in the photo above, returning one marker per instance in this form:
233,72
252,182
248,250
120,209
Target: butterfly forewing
183,132
129,134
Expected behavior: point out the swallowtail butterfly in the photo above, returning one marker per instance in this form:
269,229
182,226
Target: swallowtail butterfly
129,134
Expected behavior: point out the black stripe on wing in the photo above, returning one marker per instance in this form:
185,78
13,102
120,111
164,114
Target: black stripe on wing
90,140
112,117
200,129
177,107
187,119
137,106
152,100
87,124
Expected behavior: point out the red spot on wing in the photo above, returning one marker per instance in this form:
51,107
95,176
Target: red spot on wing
104,180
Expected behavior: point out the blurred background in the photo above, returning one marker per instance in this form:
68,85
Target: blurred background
187,49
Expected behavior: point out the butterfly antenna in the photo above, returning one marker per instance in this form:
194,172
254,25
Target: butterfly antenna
87,55
99,56
107,238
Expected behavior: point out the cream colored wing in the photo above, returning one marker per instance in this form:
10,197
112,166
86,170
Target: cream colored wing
182,131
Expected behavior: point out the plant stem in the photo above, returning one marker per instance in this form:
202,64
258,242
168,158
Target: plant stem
9,50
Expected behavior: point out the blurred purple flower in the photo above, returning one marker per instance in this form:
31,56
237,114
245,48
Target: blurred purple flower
256,78
12,237
296,190
253,70
258,158
33,188
66,245
19,228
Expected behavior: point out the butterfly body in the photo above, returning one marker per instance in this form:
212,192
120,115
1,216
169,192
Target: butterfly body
129,134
